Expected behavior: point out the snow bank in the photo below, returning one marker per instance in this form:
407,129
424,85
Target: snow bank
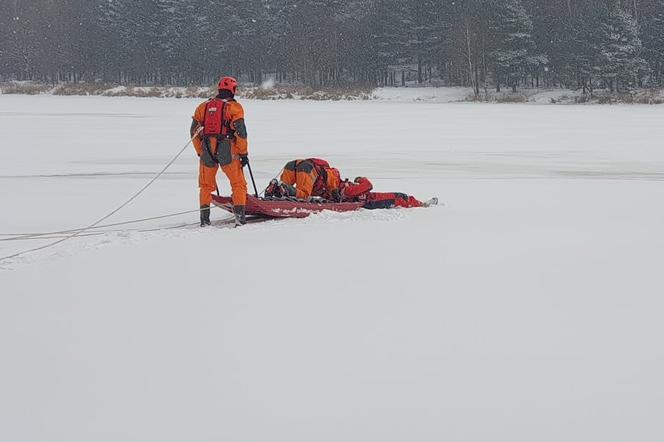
268,90
423,94
522,96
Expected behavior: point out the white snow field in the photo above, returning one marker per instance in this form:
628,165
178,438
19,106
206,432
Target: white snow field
529,307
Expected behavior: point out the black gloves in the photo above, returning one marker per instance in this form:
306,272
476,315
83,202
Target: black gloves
244,160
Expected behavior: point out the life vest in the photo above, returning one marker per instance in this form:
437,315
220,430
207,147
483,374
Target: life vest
319,164
321,167
216,123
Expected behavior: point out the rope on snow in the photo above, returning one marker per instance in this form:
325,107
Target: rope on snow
40,235
113,212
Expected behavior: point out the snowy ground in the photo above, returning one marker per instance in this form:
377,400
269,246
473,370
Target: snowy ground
413,93
527,308
423,94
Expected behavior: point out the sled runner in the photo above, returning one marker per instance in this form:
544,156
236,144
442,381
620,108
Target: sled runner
284,207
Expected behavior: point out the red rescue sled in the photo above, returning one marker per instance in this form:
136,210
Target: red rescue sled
284,208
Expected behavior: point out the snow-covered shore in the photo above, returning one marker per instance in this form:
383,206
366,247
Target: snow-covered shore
527,307
412,93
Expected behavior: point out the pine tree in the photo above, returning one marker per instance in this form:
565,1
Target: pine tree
426,32
118,38
7,44
239,30
467,44
169,33
581,51
325,42
619,63
389,37
190,54
553,34
24,45
350,38
652,25
515,55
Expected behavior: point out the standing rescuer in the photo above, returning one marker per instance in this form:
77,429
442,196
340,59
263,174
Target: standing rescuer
222,142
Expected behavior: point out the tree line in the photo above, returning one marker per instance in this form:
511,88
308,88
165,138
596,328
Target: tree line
584,44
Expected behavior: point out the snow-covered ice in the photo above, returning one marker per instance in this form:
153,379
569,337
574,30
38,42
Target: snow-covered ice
528,307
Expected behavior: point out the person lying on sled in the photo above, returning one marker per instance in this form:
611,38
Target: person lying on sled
304,179
361,190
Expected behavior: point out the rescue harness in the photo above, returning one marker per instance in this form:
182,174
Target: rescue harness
216,124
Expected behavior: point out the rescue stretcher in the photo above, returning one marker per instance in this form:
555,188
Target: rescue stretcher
284,207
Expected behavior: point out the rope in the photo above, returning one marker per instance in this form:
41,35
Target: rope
113,212
13,236
104,232
37,235
228,220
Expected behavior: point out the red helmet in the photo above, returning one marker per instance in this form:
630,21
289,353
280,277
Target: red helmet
227,84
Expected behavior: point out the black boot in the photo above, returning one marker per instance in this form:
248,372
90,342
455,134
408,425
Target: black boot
205,215
240,217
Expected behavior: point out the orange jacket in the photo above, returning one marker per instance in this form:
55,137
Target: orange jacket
234,114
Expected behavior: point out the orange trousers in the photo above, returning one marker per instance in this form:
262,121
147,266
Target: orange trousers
207,182
303,182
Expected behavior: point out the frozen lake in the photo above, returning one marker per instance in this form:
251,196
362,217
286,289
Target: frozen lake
527,307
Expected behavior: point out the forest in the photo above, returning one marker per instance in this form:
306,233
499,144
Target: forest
616,45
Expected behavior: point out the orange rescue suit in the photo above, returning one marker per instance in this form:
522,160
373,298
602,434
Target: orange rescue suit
234,118
312,177
361,190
